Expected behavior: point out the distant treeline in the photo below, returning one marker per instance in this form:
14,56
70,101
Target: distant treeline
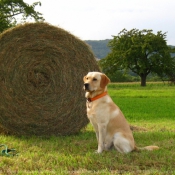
101,49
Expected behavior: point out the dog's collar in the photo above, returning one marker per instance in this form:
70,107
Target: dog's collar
97,97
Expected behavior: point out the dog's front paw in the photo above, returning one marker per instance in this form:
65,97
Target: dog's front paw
99,151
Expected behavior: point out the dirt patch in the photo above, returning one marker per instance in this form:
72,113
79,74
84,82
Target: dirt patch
138,129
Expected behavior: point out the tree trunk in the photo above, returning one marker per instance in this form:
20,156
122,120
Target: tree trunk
143,79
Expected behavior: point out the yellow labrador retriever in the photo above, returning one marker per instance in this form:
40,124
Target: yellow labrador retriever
110,125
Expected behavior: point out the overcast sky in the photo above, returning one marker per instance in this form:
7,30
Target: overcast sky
101,19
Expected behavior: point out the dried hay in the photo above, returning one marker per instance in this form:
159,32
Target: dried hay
41,71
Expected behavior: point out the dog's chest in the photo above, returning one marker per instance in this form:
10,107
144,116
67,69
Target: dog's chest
92,117
96,112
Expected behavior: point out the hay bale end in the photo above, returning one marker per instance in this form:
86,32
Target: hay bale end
41,71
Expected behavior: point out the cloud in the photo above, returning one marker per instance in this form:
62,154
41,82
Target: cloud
99,19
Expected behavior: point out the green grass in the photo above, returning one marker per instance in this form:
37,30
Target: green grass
152,106
150,110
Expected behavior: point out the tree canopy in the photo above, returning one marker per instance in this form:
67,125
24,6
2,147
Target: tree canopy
141,51
11,9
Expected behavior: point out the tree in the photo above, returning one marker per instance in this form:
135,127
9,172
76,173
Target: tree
170,74
142,52
11,9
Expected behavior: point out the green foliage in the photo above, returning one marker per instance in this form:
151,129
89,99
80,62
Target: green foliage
10,9
140,51
121,76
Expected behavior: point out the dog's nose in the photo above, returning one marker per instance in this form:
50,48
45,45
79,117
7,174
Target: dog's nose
86,85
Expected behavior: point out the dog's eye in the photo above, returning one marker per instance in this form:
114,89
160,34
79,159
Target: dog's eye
86,78
94,79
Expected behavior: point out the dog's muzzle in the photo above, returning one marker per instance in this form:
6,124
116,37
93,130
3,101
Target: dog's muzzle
86,86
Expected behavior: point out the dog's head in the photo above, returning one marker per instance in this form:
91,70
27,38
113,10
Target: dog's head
95,81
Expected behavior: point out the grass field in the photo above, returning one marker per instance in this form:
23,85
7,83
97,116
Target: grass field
150,111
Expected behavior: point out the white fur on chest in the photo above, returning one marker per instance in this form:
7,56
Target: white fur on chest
98,112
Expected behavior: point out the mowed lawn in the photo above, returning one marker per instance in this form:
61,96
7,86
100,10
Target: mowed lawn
150,111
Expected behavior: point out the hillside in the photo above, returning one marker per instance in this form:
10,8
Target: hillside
99,47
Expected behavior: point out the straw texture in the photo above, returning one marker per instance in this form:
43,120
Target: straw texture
41,80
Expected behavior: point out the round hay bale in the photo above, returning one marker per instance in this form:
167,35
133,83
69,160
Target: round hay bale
41,76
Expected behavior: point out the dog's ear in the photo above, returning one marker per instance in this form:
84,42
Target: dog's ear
104,81
84,78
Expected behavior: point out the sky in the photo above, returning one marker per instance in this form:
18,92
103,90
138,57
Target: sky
103,19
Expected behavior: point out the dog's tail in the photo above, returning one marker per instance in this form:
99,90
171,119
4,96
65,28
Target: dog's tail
148,148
